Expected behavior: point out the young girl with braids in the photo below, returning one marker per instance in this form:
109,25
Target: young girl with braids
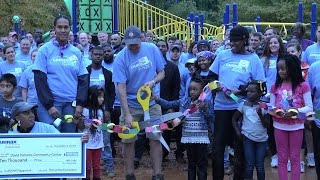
295,49
289,92
253,131
195,127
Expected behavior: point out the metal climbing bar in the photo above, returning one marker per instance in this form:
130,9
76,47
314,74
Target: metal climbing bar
161,23
283,28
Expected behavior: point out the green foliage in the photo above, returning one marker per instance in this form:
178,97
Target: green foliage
36,13
183,8
40,13
248,10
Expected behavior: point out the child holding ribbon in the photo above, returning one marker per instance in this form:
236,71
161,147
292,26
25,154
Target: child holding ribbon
93,117
253,131
199,112
295,49
291,97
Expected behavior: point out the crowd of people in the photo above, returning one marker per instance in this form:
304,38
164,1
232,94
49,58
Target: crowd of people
256,74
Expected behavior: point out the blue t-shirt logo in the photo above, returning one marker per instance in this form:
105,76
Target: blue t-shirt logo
315,56
142,63
273,64
6,112
240,67
65,61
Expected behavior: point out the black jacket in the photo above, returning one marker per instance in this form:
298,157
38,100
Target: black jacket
170,85
109,90
211,76
45,95
117,49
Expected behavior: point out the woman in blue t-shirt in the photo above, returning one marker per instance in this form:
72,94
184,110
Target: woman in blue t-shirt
234,67
12,66
313,79
192,50
60,78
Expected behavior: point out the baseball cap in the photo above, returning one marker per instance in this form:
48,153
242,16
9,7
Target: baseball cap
21,107
190,61
206,54
203,42
239,33
175,47
132,35
13,33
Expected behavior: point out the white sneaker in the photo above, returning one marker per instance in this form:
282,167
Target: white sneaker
310,160
274,161
302,166
289,166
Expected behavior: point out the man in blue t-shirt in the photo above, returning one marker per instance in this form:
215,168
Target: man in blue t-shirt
138,64
13,39
312,53
24,55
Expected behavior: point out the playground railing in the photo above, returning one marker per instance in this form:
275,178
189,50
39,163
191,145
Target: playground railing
161,23
212,31
181,30
143,15
283,28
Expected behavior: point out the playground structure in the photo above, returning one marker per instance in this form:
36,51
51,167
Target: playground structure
193,28
143,15
113,16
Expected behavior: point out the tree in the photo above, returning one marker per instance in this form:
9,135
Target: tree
248,10
36,13
183,8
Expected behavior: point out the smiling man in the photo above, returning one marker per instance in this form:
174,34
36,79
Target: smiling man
24,55
255,41
115,41
138,64
103,38
84,41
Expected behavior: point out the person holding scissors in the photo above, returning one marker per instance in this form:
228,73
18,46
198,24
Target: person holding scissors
138,64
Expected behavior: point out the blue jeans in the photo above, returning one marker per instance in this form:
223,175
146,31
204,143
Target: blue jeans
106,154
226,160
65,108
254,153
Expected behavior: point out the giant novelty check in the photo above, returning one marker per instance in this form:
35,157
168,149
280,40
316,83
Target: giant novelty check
28,156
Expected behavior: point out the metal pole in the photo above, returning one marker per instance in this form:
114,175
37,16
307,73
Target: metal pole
227,16
196,29
201,23
16,21
74,19
258,19
235,14
300,12
191,15
313,21
115,17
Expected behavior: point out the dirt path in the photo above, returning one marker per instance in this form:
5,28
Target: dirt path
175,171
